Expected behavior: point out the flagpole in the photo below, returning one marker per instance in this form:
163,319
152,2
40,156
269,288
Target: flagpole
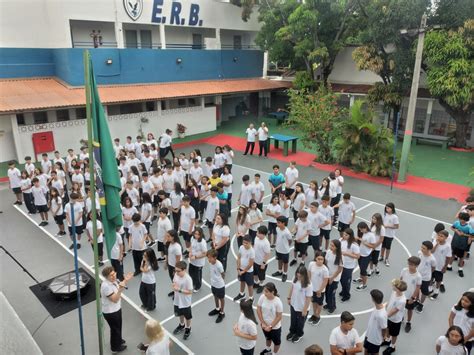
93,205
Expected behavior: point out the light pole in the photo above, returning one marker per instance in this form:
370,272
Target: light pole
402,172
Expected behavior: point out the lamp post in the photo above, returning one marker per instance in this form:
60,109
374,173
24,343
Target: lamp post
412,103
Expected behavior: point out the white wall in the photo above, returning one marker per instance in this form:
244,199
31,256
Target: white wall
68,134
227,37
185,35
7,147
345,70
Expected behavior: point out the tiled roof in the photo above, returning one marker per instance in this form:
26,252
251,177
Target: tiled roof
45,93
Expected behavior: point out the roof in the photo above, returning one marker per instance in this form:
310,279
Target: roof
46,93
364,89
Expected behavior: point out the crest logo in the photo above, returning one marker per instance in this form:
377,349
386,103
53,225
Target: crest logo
133,8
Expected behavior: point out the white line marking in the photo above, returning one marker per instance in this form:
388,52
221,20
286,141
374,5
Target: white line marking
124,297
364,207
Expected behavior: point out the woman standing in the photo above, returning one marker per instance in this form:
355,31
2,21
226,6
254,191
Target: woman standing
350,254
220,238
111,294
334,264
269,312
263,140
246,328
147,290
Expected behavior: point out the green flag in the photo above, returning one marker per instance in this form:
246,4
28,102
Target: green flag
107,175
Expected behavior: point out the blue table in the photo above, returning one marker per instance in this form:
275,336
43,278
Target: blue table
286,140
280,116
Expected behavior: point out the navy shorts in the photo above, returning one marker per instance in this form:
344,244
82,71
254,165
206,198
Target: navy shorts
186,236
272,228
326,233
410,306
185,312
425,288
316,299
363,264
218,292
79,229
247,278
371,348
161,246
387,243
259,272
437,276
302,248
42,208
341,227
59,219
274,336
285,258
16,190
393,328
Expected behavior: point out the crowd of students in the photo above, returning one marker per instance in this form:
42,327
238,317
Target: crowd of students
182,205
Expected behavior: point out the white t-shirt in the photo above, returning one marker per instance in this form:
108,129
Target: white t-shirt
220,233
347,261
251,132
273,209
14,175
146,211
165,140
245,256
174,250
340,182
291,175
30,168
197,248
57,205
399,304
377,322
161,347
219,159
285,207
262,134
79,178
26,185
147,161
137,234
207,169
463,321
258,191
345,212
147,186
77,211
229,156
299,202
184,164
100,237
448,349
270,308
328,213
441,253
368,237
163,226
303,228
412,281
148,277
216,271
283,238
332,267
107,289
246,326
168,182
115,252
45,166
176,199
378,236
315,220
58,185
187,215
344,341
128,212
318,274
134,196
227,178
254,216
242,228
299,294
245,194
426,265
183,300
261,248
389,220
180,176
333,188
196,173
212,208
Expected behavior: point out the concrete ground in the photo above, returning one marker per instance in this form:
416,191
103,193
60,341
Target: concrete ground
46,256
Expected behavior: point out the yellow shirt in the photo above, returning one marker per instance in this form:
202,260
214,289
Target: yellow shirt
215,181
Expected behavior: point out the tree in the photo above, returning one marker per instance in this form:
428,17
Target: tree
449,65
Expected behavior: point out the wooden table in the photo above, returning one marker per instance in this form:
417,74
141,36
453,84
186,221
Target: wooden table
286,140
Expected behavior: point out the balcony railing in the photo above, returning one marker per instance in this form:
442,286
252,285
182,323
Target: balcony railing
238,47
90,44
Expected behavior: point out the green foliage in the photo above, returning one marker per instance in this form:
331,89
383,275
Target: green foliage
363,144
316,115
451,14
303,80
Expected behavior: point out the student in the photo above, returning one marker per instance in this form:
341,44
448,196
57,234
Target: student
299,299
316,220
314,349
216,271
165,144
333,184
25,187
212,210
334,265
319,276
282,247
116,253
246,328
377,228
262,255
30,167
347,213
227,180
263,139
340,183
179,174
147,187
311,193
258,191
208,168
132,193
138,236
40,200
195,171
176,197
219,159
14,180
463,235
229,157
192,191
100,237
442,254
147,290
45,164
344,339
328,213
367,242
298,199
74,206
256,219
412,278
187,220
242,222
215,177
323,189
462,315
391,224
301,233
78,177
276,180
245,261
452,343
57,210
377,324
128,210
168,179
146,212
350,255
395,311
426,268
291,177
221,238
251,133
159,340
183,292
163,226
285,204
245,194
164,201
197,254
272,212
270,312
173,254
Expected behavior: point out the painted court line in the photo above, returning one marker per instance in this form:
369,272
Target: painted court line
124,297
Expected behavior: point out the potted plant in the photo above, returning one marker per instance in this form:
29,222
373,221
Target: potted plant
181,130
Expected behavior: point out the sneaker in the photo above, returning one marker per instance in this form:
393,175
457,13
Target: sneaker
259,289
151,244
272,246
178,329
171,294
388,351
136,273
387,263
345,299
296,339
161,259
250,299
407,327
357,280
340,294
195,291
214,312
361,287
285,276
461,273
220,317
119,350
187,333
331,310
381,259
265,351
434,296
154,218
277,273
442,288
239,297
293,262
41,224
78,244
419,308
449,268
142,347
369,273
386,343
101,263
377,272
71,246
325,306
289,336
468,254
314,320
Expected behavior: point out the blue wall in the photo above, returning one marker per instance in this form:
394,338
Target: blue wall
131,65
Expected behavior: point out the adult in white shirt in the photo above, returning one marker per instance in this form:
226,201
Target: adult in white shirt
291,177
269,312
111,294
263,139
159,340
251,132
165,144
344,339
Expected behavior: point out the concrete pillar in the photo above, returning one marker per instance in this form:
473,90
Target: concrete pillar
119,35
202,101
265,64
162,36
16,139
158,108
429,111
218,39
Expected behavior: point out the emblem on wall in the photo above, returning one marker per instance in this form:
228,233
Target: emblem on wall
133,8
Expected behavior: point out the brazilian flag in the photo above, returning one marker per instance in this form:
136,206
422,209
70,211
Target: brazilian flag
107,176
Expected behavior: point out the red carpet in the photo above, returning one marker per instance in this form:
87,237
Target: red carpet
434,188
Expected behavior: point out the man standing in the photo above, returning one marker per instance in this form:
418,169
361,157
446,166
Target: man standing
165,144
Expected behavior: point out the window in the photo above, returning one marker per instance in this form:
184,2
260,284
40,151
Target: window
113,110
197,41
163,105
192,101
20,119
150,106
81,113
131,40
62,115
145,39
237,42
131,108
40,117
181,102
